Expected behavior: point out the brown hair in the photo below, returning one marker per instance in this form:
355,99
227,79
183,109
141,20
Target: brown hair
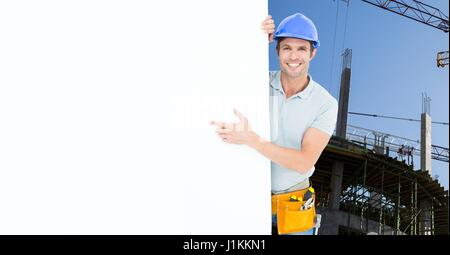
281,39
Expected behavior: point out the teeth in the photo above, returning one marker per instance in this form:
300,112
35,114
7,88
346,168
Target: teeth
293,65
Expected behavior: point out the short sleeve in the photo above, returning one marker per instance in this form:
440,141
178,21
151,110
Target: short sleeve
327,117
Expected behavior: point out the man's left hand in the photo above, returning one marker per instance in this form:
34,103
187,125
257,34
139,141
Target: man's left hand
236,133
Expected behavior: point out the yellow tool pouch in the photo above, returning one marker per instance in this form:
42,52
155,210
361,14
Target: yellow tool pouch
290,217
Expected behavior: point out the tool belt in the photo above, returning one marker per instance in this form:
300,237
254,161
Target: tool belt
290,215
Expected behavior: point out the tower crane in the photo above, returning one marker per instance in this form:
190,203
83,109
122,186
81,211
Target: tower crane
419,12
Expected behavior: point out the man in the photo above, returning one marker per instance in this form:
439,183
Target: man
302,115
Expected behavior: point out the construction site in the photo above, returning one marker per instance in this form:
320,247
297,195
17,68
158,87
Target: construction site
366,181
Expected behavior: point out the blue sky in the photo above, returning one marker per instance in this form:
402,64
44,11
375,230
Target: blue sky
394,61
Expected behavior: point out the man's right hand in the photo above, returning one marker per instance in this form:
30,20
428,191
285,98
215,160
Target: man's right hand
268,26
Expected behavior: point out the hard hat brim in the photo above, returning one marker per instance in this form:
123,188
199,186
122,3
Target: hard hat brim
316,44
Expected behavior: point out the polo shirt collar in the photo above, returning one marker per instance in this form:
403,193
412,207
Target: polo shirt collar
276,84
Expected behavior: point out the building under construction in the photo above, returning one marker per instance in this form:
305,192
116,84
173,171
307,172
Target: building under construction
365,180
361,191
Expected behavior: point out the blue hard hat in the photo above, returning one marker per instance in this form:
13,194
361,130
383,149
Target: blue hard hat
298,26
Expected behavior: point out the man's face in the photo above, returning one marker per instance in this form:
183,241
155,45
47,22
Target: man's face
294,56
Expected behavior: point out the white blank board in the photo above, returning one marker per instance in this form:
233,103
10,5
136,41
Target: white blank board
104,111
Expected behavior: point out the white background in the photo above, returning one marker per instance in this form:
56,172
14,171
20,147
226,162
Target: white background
104,110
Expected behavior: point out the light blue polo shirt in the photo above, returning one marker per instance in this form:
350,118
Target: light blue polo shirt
290,118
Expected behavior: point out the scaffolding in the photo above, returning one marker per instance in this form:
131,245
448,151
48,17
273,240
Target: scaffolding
381,194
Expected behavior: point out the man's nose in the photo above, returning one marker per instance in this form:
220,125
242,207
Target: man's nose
294,56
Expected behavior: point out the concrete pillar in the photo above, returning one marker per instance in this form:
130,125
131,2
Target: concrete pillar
344,94
425,143
330,225
425,217
336,184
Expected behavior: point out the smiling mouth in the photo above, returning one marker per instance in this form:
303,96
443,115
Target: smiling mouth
293,65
